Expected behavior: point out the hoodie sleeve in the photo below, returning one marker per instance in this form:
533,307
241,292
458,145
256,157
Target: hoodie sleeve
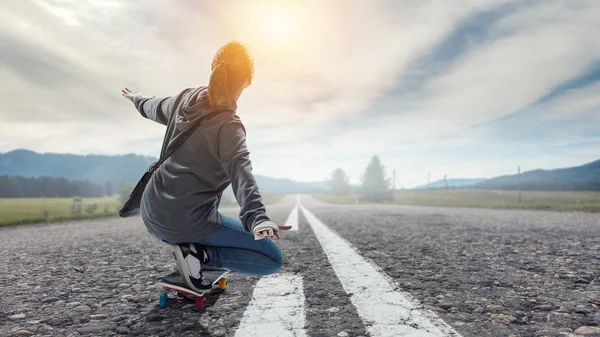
156,109
235,159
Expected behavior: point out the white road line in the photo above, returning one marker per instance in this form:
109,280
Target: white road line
276,309
384,309
292,219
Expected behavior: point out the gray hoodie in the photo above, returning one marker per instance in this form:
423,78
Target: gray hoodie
179,202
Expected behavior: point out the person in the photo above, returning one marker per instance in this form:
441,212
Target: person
180,204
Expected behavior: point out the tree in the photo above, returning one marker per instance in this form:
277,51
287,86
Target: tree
108,189
125,190
339,182
26,187
375,186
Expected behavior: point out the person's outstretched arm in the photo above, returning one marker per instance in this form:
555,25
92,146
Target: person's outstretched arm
153,108
235,159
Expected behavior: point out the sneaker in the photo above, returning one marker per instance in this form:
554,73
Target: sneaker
190,258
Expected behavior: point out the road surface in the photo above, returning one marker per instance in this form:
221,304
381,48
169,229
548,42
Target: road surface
349,271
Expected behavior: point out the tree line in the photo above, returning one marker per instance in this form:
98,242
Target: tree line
375,186
50,187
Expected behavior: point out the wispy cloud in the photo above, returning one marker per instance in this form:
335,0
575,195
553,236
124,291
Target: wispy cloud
469,88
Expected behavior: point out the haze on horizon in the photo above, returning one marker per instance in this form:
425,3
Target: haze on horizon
465,88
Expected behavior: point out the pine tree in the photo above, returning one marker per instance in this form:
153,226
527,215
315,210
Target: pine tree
339,182
376,187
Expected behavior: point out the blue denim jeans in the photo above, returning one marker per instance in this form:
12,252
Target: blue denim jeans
233,248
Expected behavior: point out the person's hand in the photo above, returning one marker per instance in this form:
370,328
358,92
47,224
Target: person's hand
268,229
132,94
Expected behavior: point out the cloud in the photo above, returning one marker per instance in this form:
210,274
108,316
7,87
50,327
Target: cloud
572,115
425,84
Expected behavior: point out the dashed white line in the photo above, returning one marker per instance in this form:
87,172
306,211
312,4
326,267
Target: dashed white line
276,309
384,309
292,219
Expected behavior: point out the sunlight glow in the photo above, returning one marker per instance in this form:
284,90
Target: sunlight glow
284,36
277,24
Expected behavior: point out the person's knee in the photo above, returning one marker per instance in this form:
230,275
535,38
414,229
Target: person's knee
278,262
275,265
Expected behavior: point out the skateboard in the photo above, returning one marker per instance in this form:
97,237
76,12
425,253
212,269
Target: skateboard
174,283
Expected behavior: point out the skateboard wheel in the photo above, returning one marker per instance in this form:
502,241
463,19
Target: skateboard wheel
163,299
200,303
223,284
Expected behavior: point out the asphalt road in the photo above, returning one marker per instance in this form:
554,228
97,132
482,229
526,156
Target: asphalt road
349,271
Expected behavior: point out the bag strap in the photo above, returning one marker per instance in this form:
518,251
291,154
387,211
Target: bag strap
182,137
170,122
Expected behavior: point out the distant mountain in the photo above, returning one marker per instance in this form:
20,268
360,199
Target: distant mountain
451,183
270,185
584,177
116,169
95,168
580,178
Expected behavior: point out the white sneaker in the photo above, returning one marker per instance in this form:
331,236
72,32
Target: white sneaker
190,258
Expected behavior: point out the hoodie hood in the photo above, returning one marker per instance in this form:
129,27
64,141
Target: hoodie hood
195,106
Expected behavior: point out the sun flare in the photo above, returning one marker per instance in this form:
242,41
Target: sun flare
284,36
277,24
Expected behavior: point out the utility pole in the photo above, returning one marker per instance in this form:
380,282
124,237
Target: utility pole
394,180
445,181
519,182
428,180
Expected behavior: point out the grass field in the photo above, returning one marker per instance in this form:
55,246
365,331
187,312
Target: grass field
15,211
541,200
20,211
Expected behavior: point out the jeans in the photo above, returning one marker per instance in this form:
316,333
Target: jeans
233,248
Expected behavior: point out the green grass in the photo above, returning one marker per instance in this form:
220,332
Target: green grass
541,200
17,211
22,211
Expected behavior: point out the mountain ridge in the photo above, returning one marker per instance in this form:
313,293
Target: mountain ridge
130,167
457,182
116,169
582,177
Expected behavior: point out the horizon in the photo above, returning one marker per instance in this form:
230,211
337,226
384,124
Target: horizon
463,89
389,176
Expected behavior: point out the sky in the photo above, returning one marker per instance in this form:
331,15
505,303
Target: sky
466,88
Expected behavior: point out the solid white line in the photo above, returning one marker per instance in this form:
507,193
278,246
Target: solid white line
276,309
292,219
384,310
